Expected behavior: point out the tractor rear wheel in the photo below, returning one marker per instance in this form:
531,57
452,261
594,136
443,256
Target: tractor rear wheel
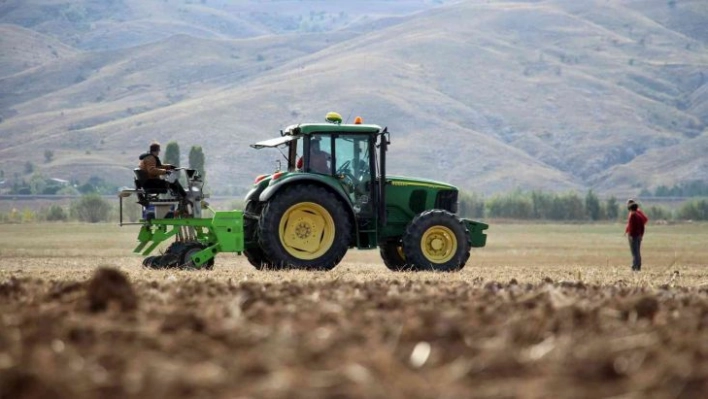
255,255
436,240
305,227
392,255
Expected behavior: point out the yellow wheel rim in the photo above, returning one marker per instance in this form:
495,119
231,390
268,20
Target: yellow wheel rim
306,230
439,244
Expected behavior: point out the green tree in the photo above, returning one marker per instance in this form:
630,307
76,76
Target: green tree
659,213
56,213
91,208
612,208
172,155
29,167
542,203
471,205
37,184
696,209
48,156
592,206
196,159
516,205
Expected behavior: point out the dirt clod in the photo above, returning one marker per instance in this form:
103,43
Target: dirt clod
646,307
110,286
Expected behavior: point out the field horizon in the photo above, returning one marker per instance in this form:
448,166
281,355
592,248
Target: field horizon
526,252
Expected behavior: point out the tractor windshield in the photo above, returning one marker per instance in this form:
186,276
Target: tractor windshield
352,153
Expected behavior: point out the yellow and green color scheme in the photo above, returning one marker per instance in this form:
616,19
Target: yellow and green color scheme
331,194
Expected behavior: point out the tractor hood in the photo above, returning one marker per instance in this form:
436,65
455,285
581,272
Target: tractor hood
400,181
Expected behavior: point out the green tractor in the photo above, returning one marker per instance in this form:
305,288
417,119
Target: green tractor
332,194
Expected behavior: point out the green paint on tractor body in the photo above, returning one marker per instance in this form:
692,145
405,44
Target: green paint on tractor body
332,193
221,233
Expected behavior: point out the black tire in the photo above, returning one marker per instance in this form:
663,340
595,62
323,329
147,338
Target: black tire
148,262
252,249
164,261
186,257
436,240
392,255
176,255
300,208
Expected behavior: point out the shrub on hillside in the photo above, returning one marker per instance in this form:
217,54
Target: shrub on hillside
56,213
659,213
91,208
694,210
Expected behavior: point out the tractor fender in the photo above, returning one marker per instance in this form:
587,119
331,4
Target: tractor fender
255,192
321,181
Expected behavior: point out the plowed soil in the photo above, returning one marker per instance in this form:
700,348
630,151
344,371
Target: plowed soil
544,311
131,334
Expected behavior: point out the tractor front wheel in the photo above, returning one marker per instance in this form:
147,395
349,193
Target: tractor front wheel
304,227
436,240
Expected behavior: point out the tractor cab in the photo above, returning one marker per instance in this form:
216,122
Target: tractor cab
334,194
342,157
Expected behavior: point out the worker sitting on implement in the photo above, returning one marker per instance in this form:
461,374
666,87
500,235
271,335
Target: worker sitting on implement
155,169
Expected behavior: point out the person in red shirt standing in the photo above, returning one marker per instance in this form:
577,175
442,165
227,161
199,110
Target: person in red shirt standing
635,232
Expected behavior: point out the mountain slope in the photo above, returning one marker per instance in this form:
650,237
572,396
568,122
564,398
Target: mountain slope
24,49
489,96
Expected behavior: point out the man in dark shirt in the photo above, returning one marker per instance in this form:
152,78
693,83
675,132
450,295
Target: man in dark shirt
319,159
154,168
635,232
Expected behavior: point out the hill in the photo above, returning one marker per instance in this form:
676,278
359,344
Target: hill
25,49
109,24
490,96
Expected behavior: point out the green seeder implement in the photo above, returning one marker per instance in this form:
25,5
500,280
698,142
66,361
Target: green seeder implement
333,194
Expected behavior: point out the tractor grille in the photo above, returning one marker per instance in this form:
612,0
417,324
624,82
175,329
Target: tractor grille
447,199
417,200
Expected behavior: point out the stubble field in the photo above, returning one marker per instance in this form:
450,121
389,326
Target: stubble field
544,311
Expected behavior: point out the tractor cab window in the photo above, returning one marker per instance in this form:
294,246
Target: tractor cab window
352,156
320,154
352,166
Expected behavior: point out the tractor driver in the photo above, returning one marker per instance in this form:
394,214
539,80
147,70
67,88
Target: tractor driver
154,168
318,159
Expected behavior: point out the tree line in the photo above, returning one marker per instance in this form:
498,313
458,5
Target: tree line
696,188
518,205
569,206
